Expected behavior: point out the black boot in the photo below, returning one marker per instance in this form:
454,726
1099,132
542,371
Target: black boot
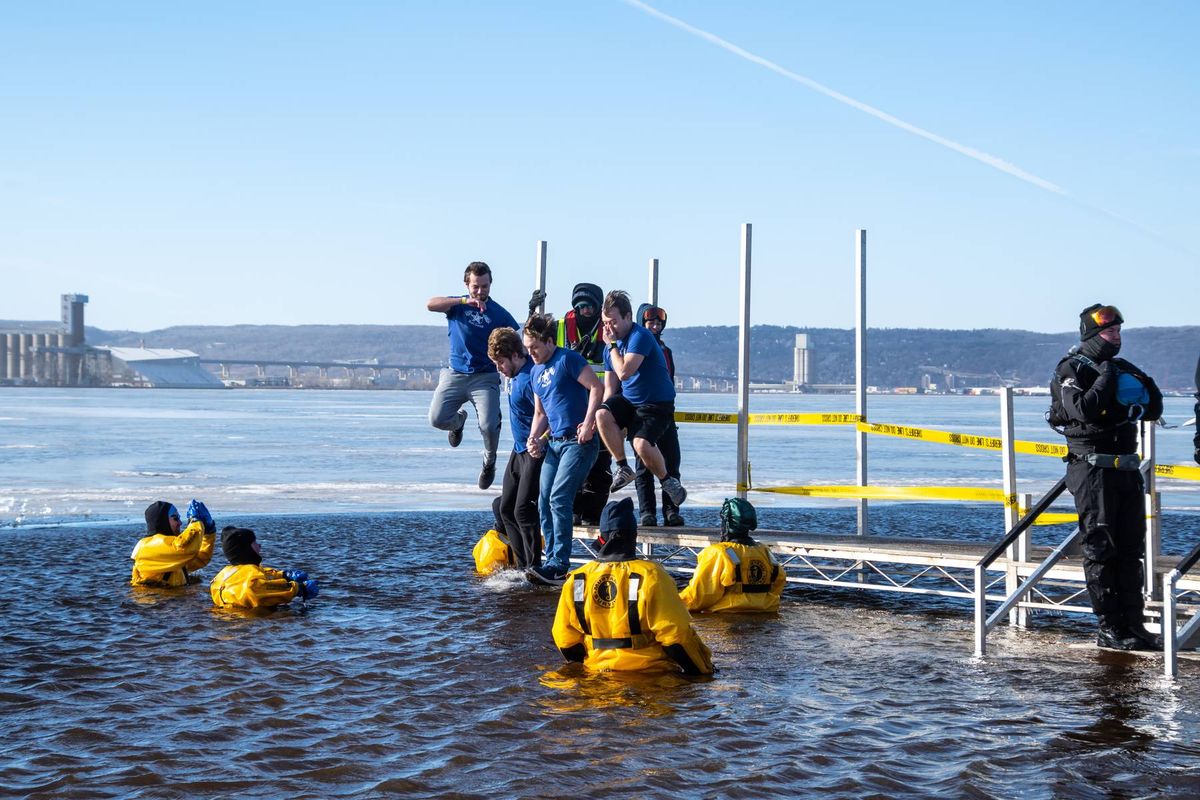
1116,638
1146,639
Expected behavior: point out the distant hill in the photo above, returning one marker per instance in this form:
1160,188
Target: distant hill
896,354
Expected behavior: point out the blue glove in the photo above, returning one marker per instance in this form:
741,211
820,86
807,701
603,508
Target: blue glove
309,589
295,575
198,511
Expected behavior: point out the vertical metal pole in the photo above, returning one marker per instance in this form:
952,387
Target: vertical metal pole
860,368
980,612
1153,509
743,424
1170,662
539,272
653,291
1008,466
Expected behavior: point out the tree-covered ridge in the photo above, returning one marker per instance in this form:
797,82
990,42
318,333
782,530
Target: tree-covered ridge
896,355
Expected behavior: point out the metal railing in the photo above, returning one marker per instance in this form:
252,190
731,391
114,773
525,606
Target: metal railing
1174,639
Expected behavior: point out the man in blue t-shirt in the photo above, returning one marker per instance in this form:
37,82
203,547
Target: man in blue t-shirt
639,396
519,495
471,376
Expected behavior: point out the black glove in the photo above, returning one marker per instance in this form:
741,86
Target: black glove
536,299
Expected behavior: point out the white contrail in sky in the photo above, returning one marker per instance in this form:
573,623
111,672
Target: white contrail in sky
969,152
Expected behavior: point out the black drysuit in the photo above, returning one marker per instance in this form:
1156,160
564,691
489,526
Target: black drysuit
1110,502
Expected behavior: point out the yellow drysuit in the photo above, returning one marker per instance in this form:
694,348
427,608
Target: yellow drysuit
163,560
251,586
627,615
731,576
492,553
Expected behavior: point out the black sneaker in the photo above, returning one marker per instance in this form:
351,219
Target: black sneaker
674,521
648,521
1116,638
623,476
455,436
487,474
546,576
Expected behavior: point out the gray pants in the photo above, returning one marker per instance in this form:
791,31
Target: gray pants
482,390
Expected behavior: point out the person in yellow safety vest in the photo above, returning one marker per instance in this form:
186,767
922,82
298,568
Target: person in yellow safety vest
737,573
493,552
171,552
621,612
245,583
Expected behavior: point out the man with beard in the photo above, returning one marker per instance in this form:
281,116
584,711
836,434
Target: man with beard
1096,402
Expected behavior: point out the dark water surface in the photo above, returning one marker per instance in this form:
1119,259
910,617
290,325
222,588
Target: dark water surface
411,677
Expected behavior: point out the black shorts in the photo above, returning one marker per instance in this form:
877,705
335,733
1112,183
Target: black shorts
649,421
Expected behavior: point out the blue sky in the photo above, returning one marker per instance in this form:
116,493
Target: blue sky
304,162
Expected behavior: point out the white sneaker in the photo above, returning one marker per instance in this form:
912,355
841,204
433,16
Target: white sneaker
622,478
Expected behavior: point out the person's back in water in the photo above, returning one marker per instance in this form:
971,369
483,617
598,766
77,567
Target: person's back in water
621,612
245,583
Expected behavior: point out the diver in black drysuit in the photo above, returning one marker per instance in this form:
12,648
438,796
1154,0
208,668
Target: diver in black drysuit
1096,402
1196,438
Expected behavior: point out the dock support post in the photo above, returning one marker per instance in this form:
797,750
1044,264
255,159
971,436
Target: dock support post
652,291
1170,658
743,423
1153,545
539,272
980,612
860,368
1012,514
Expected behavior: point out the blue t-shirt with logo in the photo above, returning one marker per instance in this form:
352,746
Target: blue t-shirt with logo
556,383
520,406
469,330
651,383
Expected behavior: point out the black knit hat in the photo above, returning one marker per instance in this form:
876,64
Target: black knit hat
237,544
1096,318
618,530
158,517
588,292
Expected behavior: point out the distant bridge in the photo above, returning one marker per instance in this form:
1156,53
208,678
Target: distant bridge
294,366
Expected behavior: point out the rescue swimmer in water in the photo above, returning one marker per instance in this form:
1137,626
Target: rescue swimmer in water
493,552
737,573
245,583
171,551
621,612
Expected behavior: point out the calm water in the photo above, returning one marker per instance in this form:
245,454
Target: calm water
409,676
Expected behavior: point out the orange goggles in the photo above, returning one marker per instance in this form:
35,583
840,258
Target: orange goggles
1106,316
654,313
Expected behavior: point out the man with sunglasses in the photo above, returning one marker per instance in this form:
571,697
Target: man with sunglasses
1097,401
654,319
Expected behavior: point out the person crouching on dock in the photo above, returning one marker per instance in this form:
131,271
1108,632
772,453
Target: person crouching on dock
171,552
621,612
247,584
737,573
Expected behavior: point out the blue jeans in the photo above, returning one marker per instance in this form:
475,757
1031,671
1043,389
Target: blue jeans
564,467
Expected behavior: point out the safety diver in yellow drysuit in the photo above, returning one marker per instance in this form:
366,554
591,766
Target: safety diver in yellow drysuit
171,552
493,552
621,612
247,584
737,573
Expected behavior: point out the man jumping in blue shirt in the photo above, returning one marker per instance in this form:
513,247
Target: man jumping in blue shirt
471,376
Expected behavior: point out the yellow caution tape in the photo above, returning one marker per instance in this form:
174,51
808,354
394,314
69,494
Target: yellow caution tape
962,493
1181,471
1040,448
768,419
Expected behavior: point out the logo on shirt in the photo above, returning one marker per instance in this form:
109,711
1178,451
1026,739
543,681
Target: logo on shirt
604,592
546,377
477,318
